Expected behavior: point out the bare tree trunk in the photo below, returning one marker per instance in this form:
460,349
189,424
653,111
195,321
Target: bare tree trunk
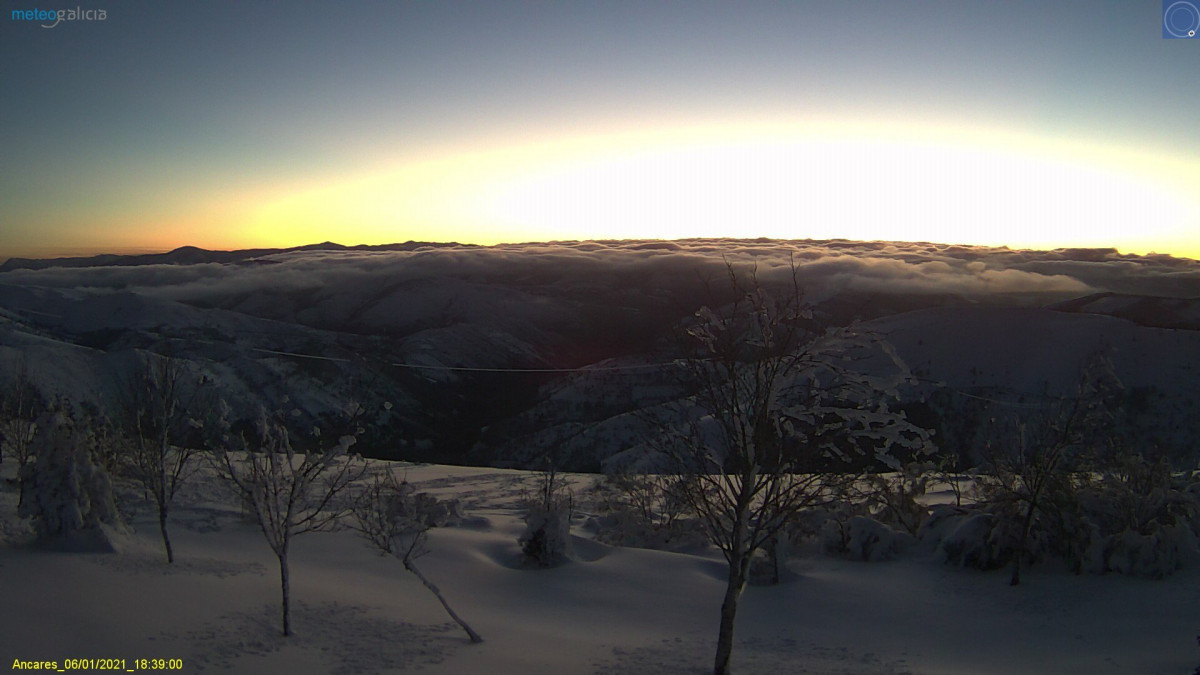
283,581
408,565
776,555
1015,579
1025,527
162,527
733,591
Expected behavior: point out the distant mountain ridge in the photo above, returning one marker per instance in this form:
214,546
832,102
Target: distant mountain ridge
193,255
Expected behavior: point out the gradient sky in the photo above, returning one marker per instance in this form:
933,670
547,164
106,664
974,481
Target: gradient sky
229,124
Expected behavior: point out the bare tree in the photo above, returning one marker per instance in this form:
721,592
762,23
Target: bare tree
780,401
289,493
18,418
396,521
160,407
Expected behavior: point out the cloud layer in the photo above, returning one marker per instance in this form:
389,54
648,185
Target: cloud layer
824,268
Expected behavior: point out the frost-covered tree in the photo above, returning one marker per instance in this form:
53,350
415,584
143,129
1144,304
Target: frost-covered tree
63,491
289,493
395,520
781,403
159,412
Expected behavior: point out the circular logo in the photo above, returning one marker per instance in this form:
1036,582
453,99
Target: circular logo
1182,18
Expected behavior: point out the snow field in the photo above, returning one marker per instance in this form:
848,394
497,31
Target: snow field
609,610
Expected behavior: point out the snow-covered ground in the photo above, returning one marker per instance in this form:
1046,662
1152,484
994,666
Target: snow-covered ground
609,610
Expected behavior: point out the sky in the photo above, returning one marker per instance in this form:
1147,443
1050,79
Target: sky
228,124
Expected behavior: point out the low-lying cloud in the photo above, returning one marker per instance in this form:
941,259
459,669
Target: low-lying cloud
823,267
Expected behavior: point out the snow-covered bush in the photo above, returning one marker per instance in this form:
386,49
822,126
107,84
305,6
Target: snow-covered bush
67,497
941,521
1131,516
643,511
873,541
977,540
861,537
833,533
390,504
891,498
1136,518
826,524
1154,555
546,541
768,563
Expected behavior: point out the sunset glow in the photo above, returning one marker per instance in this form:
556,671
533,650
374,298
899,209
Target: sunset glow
908,184
1055,125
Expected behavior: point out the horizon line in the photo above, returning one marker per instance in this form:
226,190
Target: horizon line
81,254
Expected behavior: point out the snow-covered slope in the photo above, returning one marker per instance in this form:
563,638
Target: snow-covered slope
608,611
1146,310
1034,350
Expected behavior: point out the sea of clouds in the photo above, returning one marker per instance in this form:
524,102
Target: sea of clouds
822,267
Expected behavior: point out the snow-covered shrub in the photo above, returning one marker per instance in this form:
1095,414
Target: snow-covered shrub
828,525
546,541
872,541
767,565
941,521
1140,519
66,496
977,540
1154,555
834,535
891,498
860,537
643,511
436,512
1131,517
390,514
